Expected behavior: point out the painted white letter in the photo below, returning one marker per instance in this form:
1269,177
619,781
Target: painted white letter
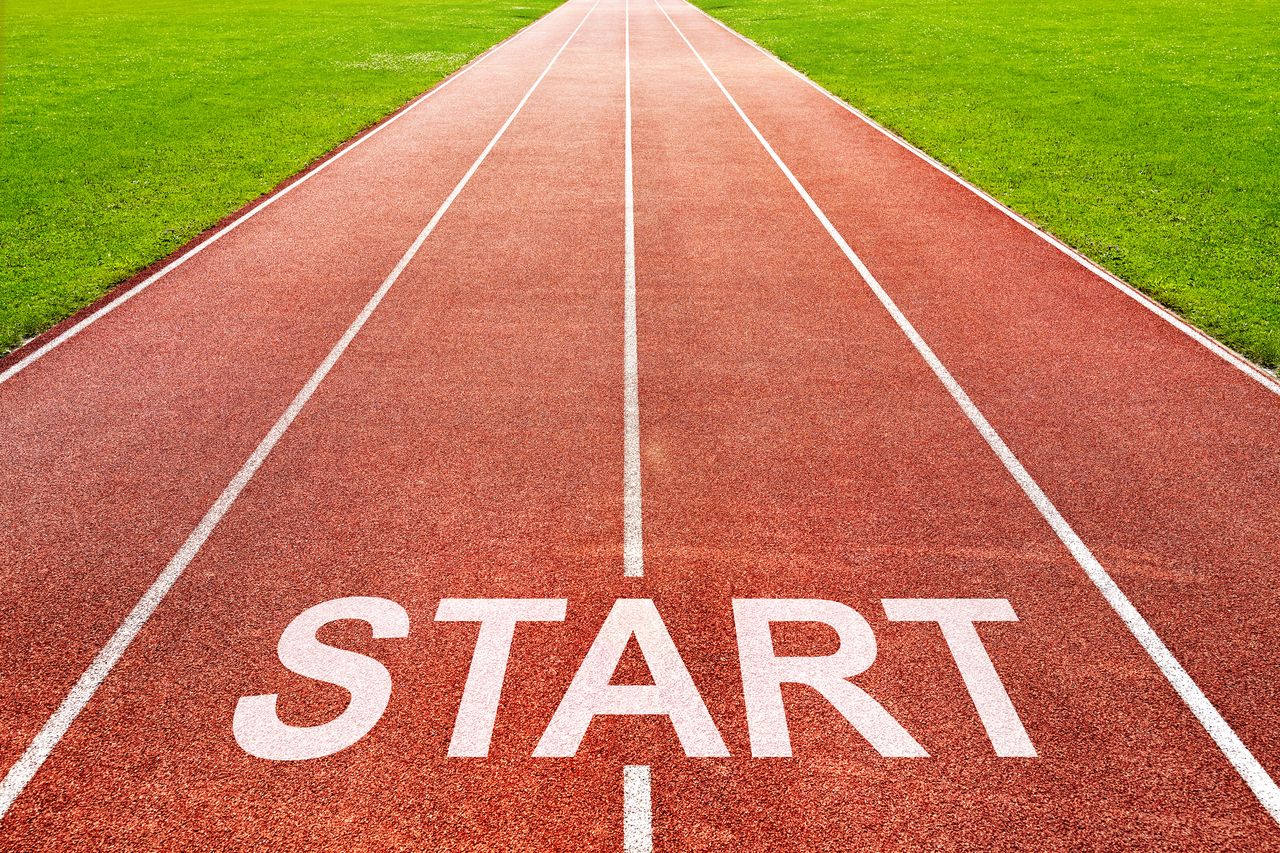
256,726
955,616
478,710
764,673
672,692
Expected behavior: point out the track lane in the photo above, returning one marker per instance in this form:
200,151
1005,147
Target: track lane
796,445
468,443
114,445
1163,457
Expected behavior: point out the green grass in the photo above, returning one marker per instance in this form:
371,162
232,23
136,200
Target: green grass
129,126
1146,133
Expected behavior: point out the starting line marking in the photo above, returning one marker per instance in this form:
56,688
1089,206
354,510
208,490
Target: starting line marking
1244,762
29,763
671,691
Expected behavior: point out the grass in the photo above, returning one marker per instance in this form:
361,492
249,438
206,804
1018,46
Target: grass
129,126
1146,134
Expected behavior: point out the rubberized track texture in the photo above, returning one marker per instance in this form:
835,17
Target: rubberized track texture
628,446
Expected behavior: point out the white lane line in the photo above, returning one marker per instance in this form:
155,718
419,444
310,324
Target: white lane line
1263,376
39,353
637,800
632,518
637,810
57,725
1252,772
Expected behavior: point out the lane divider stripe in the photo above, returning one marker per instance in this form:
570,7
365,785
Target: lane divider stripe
82,692
632,518
1245,764
637,809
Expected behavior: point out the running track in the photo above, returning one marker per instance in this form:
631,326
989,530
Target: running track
628,310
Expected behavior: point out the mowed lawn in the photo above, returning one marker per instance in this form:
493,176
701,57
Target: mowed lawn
1146,133
129,126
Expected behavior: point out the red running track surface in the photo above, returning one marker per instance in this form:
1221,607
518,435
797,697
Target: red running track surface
801,436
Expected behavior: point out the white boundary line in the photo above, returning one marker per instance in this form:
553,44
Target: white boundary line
1250,770
637,798
637,809
632,517
57,725
66,335
1263,376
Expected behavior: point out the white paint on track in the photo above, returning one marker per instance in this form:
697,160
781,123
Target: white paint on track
637,799
637,809
66,335
25,768
1260,374
1245,764
632,517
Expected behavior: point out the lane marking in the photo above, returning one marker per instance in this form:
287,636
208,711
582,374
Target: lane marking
1263,376
37,354
82,692
632,517
1245,764
637,810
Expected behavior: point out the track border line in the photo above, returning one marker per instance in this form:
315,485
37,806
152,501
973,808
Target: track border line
1255,371
82,692
1228,742
279,192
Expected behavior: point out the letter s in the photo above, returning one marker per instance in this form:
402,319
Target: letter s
256,726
